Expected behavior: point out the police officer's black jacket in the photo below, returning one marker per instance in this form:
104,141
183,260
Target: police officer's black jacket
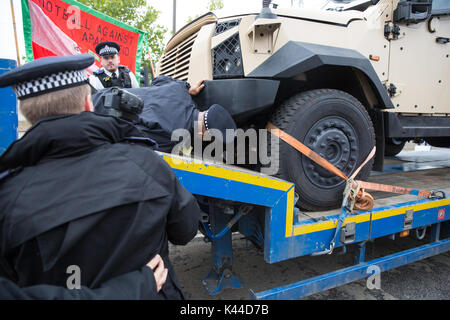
85,197
137,285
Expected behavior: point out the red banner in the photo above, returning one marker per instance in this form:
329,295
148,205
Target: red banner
66,27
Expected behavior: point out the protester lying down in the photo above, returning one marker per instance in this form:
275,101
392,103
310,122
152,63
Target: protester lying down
167,106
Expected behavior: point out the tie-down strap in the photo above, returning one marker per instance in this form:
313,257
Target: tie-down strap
362,201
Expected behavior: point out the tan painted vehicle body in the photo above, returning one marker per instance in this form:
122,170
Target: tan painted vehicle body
397,67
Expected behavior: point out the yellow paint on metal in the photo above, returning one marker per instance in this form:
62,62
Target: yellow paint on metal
417,207
227,173
327,225
315,227
234,174
290,212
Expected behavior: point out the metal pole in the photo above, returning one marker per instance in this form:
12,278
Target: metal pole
174,16
15,32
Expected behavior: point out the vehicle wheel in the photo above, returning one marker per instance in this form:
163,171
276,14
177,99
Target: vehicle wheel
393,147
336,126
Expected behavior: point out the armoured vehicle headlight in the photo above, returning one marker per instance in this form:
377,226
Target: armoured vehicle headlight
227,59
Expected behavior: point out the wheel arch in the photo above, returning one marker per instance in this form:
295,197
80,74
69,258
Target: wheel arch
347,79
325,128
312,66
303,66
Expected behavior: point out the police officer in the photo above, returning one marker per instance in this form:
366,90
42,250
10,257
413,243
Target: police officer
82,189
112,74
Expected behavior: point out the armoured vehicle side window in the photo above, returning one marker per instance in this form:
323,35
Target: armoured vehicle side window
440,7
412,11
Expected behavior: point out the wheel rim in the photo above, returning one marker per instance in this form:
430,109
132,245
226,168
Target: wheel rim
334,139
396,142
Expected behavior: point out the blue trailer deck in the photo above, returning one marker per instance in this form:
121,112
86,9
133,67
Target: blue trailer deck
262,209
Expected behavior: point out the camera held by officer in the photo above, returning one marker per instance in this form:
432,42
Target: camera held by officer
122,104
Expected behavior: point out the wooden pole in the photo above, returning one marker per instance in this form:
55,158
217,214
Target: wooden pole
15,33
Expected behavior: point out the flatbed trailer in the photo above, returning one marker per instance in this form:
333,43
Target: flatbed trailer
262,209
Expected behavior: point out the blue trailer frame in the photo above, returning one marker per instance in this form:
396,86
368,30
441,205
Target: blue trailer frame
8,110
285,237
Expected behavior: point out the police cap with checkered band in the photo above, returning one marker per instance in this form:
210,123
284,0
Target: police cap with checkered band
107,48
48,74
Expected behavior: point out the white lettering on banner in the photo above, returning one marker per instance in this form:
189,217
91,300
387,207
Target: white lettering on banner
74,21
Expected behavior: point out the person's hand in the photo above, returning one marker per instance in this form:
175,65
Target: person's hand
195,90
160,273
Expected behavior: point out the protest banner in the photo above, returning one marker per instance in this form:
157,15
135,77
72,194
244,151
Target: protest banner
67,27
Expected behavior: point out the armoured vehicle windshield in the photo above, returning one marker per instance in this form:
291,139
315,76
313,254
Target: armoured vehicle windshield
337,5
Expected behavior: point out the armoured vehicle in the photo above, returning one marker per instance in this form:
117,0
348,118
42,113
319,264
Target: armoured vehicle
341,79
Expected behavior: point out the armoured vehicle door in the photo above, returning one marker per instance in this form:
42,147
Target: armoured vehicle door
419,68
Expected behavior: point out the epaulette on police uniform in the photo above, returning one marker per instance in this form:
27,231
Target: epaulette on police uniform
99,72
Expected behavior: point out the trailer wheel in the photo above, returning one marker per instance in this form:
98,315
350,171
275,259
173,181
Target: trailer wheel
393,146
335,125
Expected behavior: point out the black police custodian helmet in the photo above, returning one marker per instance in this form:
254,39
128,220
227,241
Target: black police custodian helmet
217,117
107,48
48,74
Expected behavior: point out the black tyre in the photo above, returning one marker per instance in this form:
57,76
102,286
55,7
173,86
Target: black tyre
393,147
335,125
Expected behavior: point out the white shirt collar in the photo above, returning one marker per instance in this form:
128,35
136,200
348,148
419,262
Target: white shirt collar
109,74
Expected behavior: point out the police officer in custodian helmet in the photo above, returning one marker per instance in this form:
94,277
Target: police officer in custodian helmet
112,74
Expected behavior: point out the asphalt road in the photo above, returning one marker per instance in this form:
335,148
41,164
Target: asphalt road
423,280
